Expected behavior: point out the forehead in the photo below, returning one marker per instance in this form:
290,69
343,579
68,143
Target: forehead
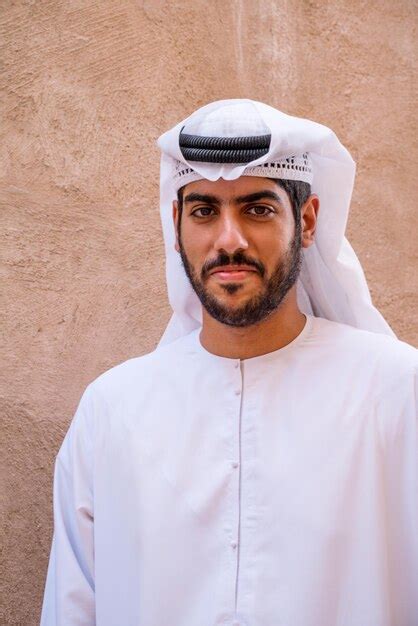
227,190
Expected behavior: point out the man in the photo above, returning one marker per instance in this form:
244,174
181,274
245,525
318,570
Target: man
259,468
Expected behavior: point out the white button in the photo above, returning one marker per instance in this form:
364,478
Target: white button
233,544
235,464
237,392
236,365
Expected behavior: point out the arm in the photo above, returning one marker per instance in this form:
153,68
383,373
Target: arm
401,494
69,591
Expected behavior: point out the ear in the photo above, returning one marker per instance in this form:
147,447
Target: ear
175,222
309,215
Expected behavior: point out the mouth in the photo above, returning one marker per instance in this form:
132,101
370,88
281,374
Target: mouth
233,272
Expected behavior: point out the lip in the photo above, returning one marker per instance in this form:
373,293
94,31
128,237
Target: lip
237,272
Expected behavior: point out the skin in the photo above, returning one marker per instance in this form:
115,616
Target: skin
262,230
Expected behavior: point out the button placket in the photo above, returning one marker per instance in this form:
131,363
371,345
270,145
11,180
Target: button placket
236,463
238,384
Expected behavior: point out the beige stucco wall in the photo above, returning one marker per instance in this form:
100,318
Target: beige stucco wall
87,87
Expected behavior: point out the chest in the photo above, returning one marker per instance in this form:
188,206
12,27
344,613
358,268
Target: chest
277,447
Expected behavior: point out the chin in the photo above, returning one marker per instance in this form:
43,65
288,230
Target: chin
233,302
232,293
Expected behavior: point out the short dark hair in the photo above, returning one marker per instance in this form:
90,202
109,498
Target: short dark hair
297,190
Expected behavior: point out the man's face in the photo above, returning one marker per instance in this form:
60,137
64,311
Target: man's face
239,245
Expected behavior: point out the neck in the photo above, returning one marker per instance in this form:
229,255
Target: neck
273,333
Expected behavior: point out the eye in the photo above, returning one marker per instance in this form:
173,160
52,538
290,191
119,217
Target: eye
203,211
260,210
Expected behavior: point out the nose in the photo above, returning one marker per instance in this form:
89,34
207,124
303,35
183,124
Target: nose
230,237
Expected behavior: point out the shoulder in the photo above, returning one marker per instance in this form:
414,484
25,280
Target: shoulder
384,351
386,365
140,374
104,399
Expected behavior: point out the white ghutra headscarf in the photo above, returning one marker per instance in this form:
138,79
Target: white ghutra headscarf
331,283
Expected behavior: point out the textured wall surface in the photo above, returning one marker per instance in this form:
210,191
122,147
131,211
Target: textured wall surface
86,89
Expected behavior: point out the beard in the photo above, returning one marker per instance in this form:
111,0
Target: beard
259,306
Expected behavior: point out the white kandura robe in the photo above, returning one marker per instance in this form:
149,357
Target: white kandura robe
282,490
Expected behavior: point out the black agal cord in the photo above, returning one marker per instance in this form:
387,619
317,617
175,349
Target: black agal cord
223,149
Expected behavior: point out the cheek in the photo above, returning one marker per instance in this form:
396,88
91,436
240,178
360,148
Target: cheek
273,244
196,243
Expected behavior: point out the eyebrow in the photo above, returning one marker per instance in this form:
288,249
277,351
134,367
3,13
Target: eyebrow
199,197
252,197
258,195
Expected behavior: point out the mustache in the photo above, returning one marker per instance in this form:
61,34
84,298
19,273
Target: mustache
239,258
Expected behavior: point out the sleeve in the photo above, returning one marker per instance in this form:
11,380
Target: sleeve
401,496
69,591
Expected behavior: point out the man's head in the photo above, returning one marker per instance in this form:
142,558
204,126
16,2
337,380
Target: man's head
240,242
238,140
